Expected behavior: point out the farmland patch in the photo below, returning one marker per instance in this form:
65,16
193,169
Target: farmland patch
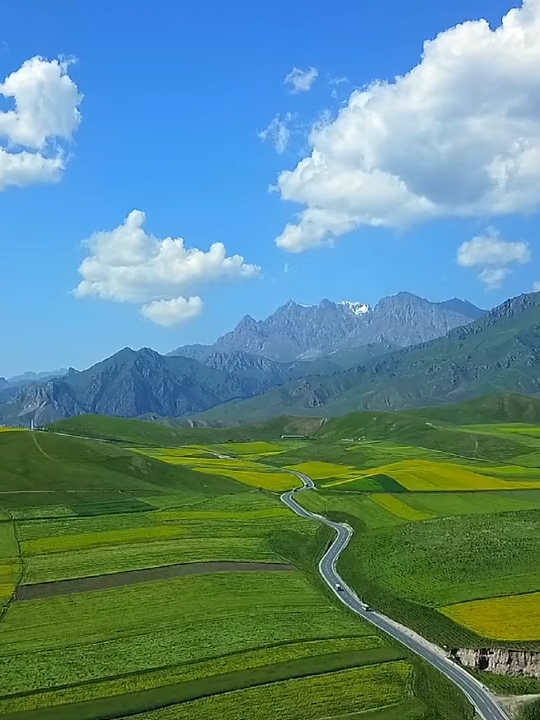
343,693
508,618
319,470
473,503
102,582
69,639
244,471
454,559
401,509
119,558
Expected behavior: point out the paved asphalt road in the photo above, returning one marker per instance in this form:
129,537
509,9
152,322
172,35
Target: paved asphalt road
484,702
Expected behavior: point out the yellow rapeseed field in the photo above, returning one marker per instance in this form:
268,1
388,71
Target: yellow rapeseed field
9,575
242,470
399,508
6,590
426,475
253,448
516,617
321,470
277,481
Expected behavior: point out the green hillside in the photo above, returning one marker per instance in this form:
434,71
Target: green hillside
142,432
427,427
407,429
132,585
43,468
497,408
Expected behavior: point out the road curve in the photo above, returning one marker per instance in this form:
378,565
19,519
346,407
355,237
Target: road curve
484,702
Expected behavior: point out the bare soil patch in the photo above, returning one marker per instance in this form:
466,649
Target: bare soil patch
129,577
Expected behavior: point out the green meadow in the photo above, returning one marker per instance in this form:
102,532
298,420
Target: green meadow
136,586
152,572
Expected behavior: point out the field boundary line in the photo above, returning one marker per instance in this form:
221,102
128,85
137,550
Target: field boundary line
22,571
41,450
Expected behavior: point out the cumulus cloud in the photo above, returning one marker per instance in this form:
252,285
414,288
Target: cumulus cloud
278,132
301,80
168,313
459,135
46,112
493,256
536,287
129,265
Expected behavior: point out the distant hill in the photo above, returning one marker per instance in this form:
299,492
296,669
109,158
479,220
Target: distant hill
304,332
499,408
33,461
33,377
141,383
408,428
498,352
429,428
325,340
141,432
132,383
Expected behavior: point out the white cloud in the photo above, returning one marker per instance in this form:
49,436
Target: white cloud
278,132
168,313
459,135
26,168
301,80
46,111
494,277
493,256
128,265
287,268
536,287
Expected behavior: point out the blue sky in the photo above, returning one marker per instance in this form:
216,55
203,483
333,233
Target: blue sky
175,98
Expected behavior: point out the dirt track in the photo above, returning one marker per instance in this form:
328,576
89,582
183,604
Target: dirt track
102,582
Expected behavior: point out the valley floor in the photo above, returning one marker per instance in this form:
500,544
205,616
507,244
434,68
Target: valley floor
180,595
170,582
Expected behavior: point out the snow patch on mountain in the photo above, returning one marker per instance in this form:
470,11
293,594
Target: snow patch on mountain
357,308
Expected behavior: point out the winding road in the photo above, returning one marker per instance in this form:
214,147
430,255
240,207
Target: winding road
482,699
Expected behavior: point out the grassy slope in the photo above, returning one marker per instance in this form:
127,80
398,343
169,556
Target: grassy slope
287,542
497,408
60,468
141,432
409,430
81,638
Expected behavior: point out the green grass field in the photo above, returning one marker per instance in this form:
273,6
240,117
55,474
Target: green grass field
132,583
243,469
455,553
155,573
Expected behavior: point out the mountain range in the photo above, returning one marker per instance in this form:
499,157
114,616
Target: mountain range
28,378
498,352
305,332
360,358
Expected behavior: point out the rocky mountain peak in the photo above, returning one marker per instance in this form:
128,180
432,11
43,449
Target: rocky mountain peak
247,323
296,331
